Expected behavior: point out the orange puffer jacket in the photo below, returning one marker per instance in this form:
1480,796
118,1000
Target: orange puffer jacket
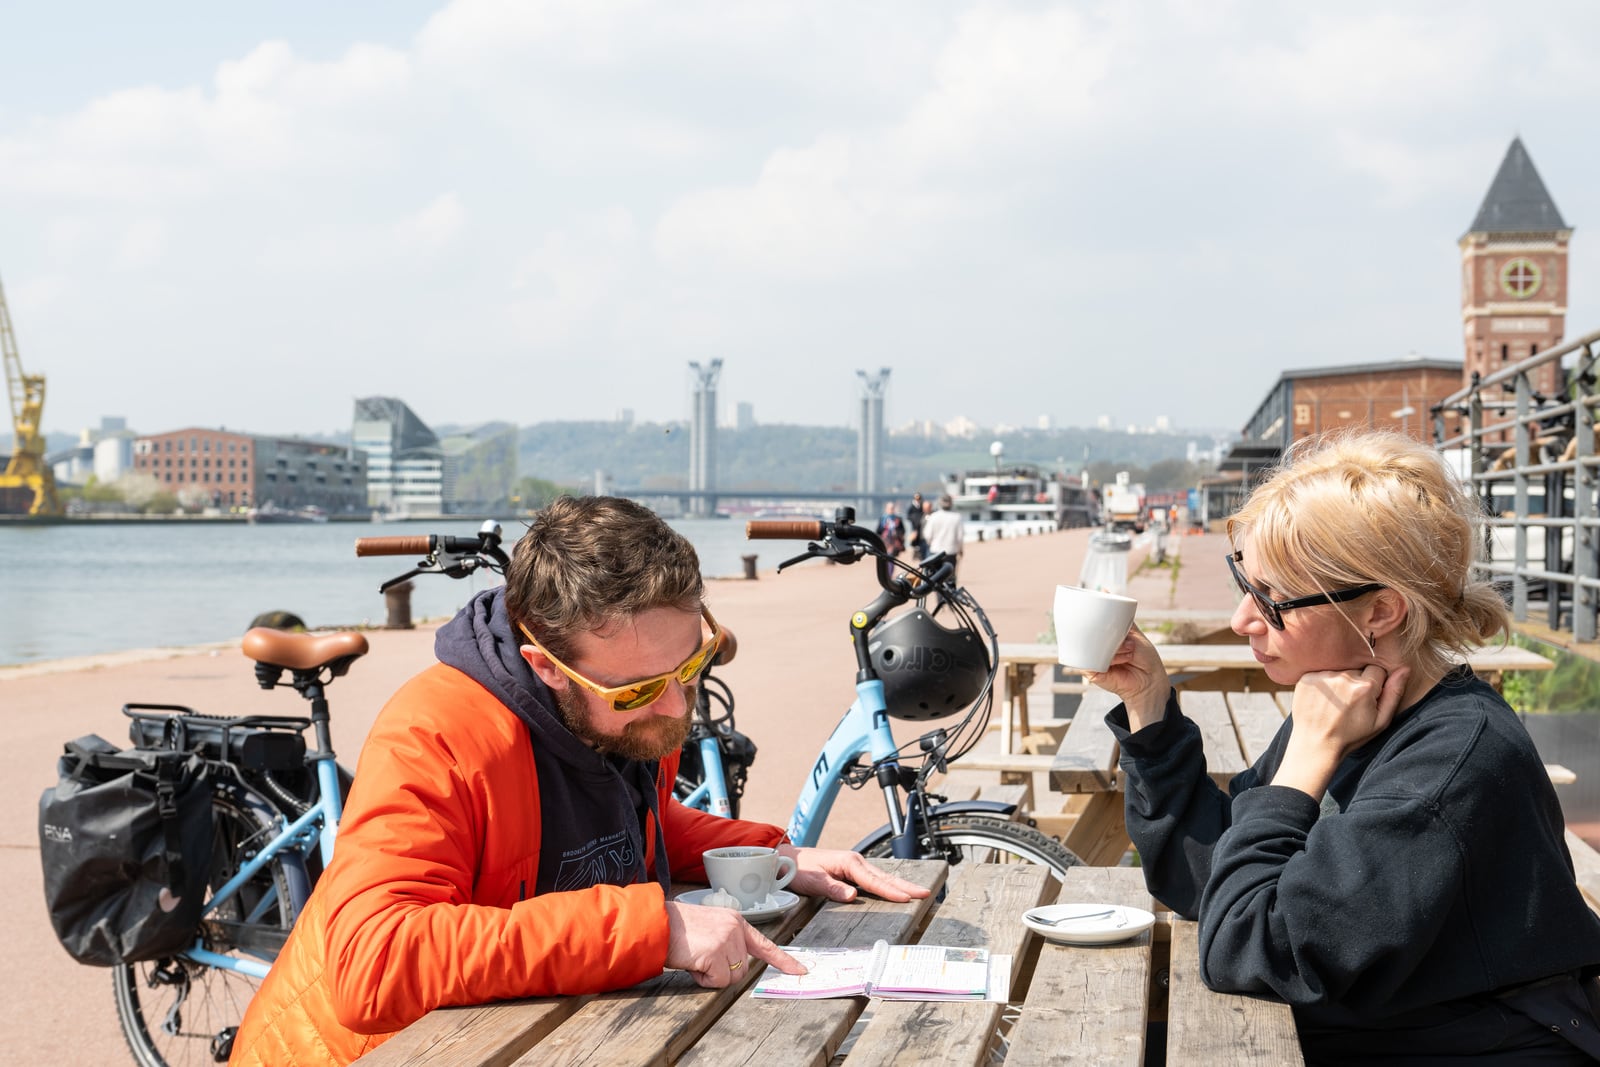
423,905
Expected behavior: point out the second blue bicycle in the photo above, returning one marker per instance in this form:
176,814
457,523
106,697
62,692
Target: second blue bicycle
911,667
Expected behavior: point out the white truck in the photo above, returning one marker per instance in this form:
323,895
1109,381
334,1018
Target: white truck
1123,506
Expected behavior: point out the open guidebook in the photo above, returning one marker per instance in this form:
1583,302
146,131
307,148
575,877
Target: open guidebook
892,972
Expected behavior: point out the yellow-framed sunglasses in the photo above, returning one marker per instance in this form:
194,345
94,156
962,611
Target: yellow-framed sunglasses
646,691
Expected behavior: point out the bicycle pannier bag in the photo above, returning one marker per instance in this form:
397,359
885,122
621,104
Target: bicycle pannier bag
125,840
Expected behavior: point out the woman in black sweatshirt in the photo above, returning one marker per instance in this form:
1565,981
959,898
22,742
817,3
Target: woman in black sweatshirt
1393,865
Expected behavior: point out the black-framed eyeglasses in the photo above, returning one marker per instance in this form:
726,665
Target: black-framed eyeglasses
1272,610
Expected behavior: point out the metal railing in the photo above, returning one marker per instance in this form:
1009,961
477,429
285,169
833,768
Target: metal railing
1533,461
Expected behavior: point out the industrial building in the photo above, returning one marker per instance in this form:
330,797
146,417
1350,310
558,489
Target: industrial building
241,470
411,471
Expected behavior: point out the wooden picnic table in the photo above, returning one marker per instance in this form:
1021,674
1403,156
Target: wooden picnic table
1092,1004
1235,729
1226,667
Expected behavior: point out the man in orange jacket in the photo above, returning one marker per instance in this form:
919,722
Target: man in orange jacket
511,831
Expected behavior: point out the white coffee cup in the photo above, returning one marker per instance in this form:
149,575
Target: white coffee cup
1090,625
749,873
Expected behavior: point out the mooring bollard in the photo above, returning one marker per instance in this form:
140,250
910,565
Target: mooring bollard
749,566
397,599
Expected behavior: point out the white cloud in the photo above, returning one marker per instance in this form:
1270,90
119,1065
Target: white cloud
1057,192
142,244
573,281
436,225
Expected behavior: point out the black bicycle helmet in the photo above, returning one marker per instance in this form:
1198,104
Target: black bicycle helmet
928,670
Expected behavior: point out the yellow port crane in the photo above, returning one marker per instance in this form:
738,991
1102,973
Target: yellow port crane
27,469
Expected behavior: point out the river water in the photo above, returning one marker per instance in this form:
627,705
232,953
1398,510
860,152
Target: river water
82,589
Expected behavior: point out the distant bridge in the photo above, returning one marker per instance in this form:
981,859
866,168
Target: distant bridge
715,496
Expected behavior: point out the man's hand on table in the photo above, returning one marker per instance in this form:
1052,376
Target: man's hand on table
715,944
836,874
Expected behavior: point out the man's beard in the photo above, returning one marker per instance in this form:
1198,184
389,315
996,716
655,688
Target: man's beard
649,738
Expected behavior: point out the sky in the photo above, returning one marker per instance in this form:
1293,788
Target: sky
247,216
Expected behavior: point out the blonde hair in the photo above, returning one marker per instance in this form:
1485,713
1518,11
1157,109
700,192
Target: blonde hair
1350,508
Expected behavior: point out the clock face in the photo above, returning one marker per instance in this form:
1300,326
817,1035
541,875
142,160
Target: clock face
1520,278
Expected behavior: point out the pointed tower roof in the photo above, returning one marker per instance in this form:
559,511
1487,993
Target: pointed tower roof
1517,201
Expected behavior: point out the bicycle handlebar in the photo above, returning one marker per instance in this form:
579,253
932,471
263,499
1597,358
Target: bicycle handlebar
418,544
454,557
395,546
783,530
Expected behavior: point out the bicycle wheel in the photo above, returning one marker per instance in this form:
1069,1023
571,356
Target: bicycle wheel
175,1011
980,838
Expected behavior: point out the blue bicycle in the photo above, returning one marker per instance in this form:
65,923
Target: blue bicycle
275,818
911,667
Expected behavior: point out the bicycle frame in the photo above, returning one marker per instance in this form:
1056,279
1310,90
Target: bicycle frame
864,729
712,793
317,828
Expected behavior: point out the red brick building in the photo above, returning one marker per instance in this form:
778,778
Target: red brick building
245,470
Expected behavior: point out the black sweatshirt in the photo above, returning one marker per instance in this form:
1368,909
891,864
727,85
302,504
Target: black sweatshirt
1433,873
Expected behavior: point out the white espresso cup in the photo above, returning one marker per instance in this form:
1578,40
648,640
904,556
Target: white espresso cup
749,873
1090,625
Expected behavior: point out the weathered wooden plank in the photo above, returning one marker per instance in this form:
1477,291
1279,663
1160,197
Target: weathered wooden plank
1099,835
979,911
1086,762
1022,762
1222,1028
1257,718
1586,864
487,1035
1209,711
1019,794
1089,1004
655,1021
1178,658
959,785
805,1032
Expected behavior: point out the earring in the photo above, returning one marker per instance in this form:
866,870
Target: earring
1372,643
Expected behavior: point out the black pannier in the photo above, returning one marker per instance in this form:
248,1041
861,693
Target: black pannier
125,840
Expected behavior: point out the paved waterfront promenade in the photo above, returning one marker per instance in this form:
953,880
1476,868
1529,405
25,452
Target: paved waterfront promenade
793,678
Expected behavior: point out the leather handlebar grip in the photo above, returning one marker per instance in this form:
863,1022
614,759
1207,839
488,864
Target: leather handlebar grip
783,530
728,649
414,545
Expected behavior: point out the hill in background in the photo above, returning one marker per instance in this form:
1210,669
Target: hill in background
656,455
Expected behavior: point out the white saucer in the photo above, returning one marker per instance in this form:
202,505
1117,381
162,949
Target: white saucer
1095,928
785,901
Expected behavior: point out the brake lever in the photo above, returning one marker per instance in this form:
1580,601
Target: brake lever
412,573
838,553
801,558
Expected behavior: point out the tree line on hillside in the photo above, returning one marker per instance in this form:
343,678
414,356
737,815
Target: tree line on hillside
823,458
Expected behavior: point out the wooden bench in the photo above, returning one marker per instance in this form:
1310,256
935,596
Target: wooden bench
967,785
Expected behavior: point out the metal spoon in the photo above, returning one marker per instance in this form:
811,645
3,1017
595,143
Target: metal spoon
1075,918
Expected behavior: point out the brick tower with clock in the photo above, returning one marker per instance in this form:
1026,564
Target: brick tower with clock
1514,274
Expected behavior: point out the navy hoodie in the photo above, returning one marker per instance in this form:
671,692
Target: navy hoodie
594,808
